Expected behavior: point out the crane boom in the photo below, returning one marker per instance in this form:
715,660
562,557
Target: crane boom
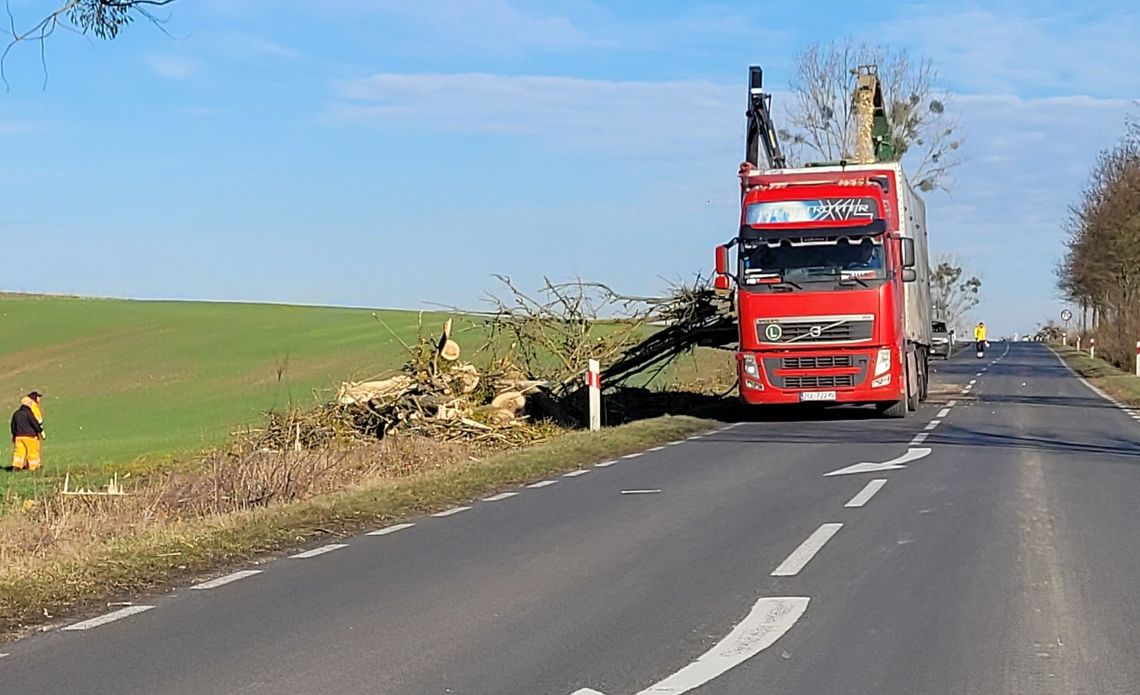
761,148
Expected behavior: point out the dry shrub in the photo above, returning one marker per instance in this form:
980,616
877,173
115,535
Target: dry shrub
228,481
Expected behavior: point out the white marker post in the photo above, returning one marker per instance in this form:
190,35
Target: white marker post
1092,347
1078,343
1138,358
594,384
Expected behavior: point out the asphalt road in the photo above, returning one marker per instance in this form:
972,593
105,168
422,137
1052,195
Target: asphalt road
1002,558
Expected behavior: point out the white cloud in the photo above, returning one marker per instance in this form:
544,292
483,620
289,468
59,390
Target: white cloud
651,117
172,67
1026,50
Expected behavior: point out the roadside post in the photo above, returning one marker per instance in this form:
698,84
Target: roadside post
594,384
1067,316
1092,347
1138,358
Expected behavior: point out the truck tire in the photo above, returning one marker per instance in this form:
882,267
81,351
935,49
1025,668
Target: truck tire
898,409
912,394
924,378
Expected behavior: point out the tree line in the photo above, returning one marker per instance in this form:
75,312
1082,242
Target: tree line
1100,270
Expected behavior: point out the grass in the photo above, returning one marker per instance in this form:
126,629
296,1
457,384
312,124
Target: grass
89,573
129,384
1121,385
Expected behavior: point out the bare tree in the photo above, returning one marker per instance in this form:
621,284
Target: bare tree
953,292
822,117
102,18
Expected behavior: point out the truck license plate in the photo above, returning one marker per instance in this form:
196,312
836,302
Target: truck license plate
818,396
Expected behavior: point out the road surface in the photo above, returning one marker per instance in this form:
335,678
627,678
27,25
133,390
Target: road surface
999,553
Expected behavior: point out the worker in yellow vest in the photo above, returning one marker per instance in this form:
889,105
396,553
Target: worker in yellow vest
27,432
980,338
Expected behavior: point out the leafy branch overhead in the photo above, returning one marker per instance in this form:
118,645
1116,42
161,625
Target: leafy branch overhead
821,118
104,19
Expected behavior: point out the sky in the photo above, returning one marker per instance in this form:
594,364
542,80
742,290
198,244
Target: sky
397,154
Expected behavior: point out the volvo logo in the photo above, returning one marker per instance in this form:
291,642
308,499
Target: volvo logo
773,332
815,331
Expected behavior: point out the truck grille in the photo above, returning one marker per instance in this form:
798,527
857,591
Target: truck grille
809,331
824,362
819,382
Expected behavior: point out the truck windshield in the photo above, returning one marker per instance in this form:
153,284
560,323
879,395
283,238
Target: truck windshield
805,261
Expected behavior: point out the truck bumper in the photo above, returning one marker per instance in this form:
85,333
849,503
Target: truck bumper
851,376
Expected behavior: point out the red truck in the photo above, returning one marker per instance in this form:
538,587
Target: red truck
831,281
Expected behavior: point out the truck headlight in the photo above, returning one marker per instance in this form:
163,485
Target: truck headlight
883,362
750,367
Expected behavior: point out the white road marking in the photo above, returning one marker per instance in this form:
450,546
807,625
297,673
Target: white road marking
639,492
545,483
695,436
730,426
4,654
575,474
500,497
868,467
972,382
656,448
400,527
932,424
222,581
449,512
634,455
107,618
919,438
807,550
866,493
951,404
767,622
318,551
604,464
680,441
944,412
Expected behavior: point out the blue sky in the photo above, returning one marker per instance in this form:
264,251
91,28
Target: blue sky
376,153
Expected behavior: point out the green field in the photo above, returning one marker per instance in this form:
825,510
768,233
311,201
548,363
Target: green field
137,381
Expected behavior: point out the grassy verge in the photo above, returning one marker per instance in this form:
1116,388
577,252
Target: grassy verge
1119,384
32,592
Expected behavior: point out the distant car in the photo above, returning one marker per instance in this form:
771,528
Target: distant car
942,340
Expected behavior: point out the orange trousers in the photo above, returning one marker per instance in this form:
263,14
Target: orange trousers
26,453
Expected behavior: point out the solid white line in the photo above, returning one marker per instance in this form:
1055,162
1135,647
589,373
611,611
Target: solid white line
449,512
604,464
575,474
951,404
545,483
766,623
656,448
222,581
919,438
932,424
866,493
318,551
944,412
108,618
639,492
500,497
397,527
807,550
633,456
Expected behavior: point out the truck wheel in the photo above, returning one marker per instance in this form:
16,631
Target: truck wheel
924,379
897,409
912,395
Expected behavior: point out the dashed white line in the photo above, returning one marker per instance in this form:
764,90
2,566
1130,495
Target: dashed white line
944,412
866,493
807,550
919,438
695,436
449,512
656,448
4,654
604,464
978,374
679,441
544,483
400,527
972,382
575,474
932,424
107,618
640,492
318,551
500,497
634,455
222,581
951,404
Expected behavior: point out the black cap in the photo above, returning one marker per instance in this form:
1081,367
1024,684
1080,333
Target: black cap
35,395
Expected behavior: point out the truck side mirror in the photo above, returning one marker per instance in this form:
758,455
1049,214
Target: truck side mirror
722,260
721,283
907,253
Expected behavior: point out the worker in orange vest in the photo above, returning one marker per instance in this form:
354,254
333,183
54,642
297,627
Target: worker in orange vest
27,432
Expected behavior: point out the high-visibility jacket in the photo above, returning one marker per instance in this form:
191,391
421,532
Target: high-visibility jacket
980,332
26,424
